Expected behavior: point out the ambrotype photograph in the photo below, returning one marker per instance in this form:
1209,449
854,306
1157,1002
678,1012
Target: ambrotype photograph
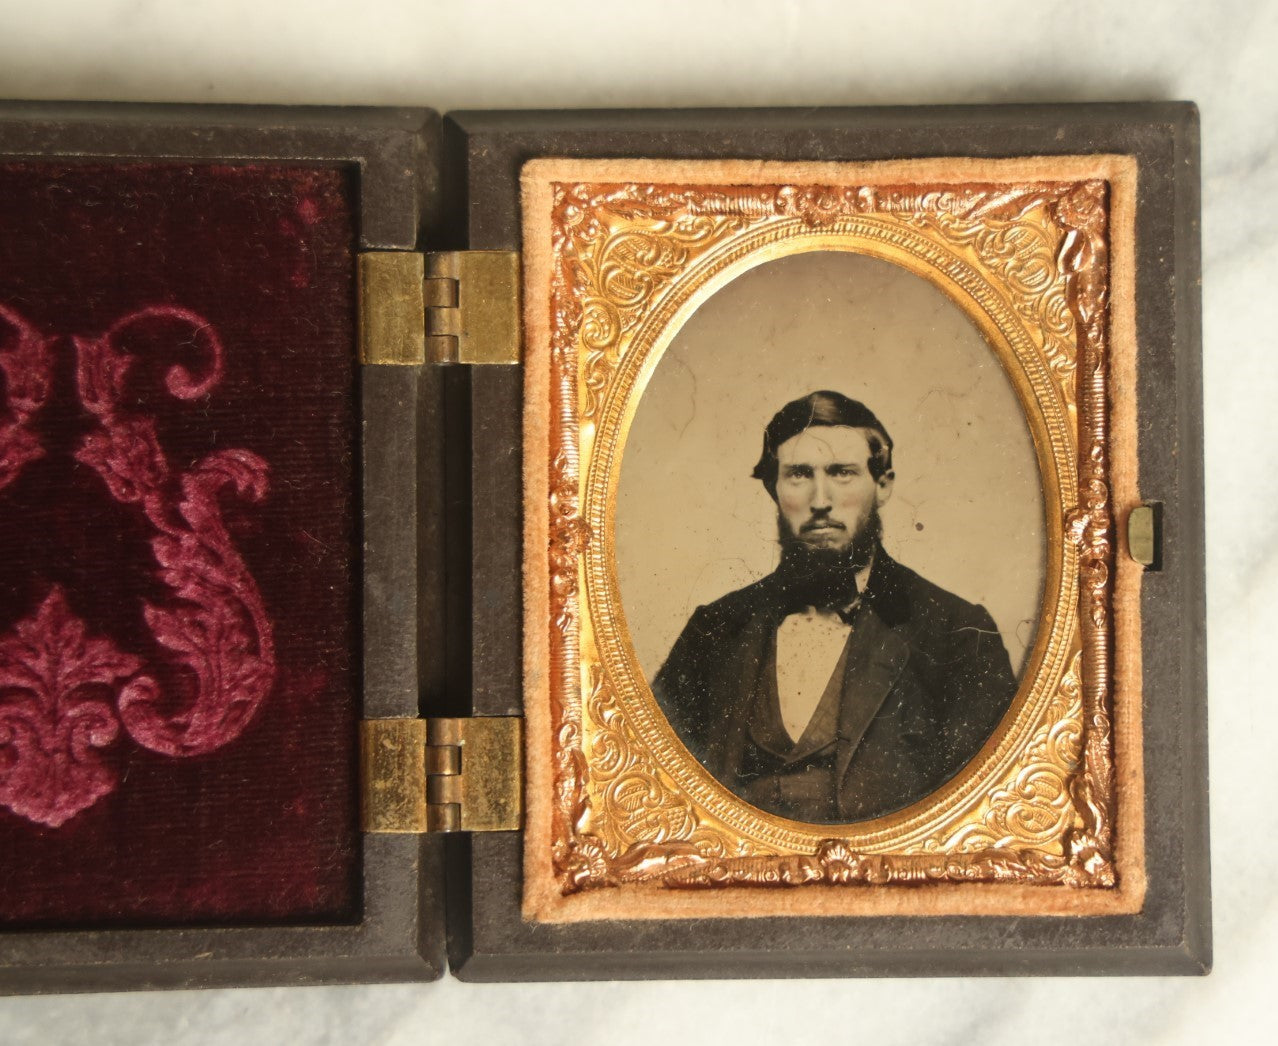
830,537
822,469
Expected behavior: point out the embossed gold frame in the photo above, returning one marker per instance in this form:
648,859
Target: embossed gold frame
619,254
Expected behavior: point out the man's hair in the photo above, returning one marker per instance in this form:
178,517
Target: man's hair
822,408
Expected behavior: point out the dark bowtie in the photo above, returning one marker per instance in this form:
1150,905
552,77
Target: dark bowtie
818,578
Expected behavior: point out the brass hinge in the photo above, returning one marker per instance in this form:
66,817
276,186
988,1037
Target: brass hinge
445,307
392,307
472,307
442,775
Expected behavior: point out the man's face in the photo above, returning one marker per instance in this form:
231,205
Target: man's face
825,492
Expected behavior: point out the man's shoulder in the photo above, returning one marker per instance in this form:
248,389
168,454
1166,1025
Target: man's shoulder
736,608
903,594
684,683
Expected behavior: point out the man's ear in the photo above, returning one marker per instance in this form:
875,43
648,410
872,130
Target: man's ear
883,487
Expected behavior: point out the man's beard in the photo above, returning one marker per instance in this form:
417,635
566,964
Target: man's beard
824,577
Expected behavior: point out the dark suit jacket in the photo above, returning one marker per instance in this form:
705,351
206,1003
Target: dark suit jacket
927,680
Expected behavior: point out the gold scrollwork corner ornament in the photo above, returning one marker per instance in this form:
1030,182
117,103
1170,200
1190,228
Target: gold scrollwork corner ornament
618,250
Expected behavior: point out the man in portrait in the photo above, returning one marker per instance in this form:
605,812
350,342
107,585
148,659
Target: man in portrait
842,686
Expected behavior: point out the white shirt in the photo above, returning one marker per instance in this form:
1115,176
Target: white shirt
809,645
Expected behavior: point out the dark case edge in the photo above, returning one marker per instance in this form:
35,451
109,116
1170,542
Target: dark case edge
488,938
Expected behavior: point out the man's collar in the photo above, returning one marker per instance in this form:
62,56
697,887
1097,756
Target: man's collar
863,575
885,590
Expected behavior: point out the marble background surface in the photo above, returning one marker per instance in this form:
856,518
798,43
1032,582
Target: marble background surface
754,52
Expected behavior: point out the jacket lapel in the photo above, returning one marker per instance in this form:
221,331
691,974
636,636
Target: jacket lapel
876,655
735,689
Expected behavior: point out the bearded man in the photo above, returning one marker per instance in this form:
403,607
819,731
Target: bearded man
842,686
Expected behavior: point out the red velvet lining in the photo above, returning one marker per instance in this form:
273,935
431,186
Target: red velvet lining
177,545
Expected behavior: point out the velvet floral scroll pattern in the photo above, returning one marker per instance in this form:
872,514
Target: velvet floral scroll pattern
66,693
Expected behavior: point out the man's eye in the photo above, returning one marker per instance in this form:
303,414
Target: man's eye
842,471
798,472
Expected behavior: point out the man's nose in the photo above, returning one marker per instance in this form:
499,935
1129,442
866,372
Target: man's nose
821,493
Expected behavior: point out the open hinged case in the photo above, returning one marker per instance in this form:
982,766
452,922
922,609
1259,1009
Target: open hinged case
710,544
